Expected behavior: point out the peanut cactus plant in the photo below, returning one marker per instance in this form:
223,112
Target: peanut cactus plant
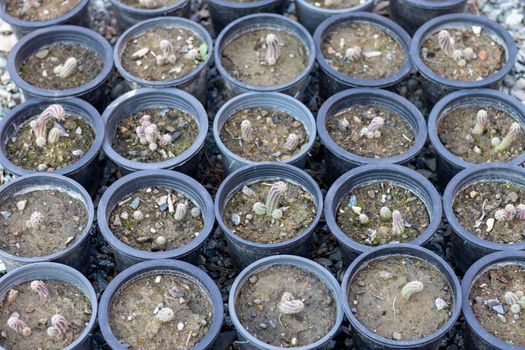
15,323
273,49
398,224
411,288
39,287
482,122
289,305
514,131
39,125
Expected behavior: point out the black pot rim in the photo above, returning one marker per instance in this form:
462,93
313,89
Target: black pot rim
448,199
472,273
330,207
311,7
482,21
41,24
97,126
309,45
437,113
393,249
390,26
106,57
162,22
163,265
120,6
435,5
322,115
243,5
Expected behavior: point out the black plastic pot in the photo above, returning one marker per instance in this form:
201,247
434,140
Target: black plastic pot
175,267
137,100
247,340
77,16
58,272
84,170
449,164
93,91
466,246
126,255
275,100
476,337
193,82
244,252
434,85
337,159
261,21
366,339
332,81
75,254
399,175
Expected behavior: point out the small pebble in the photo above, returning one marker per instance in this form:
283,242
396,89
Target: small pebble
396,336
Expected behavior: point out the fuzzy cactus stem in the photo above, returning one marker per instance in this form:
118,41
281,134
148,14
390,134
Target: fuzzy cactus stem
246,131
16,324
39,287
274,195
482,122
411,288
273,50
60,322
372,130
39,125
289,305
446,42
514,131
398,224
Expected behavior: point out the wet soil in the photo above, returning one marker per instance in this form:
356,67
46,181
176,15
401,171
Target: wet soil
338,4
64,299
298,208
381,55
257,306
133,318
47,10
157,220
244,58
160,3
270,130
376,300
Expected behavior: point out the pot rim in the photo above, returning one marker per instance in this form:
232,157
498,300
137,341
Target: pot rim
17,22
161,11
360,7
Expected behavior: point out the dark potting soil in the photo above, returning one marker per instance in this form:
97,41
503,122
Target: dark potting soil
395,136
244,58
270,131
258,306
336,4
497,299
63,299
365,214
160,310
169,121
363,50
46,10
486,58
143,56
455,131
297,206
41,221
147,219
381,302
153,4
492,210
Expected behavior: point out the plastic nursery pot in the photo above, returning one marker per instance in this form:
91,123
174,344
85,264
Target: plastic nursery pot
126,255
248,341
77,16
332,81
85,169
262,21
178,268
274,100
436,86
58,272
193,82
365,338
448,164
137,100
364,175
92,91
476,336
76,254
244,252
466,246
337,159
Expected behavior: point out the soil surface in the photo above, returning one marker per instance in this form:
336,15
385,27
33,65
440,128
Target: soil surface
244,58
64,299
47,10
37,70
170,121
455,132
298,208
64,219
379,54
496,297
337,4
396,135
488,197
157,220
146,65
133,317
377,302
159,3
488,56
270,130
257,306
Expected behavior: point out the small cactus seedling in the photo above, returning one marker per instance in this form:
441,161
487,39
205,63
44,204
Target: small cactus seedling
39,125
66,69
514,132
520,212
372,130
148,133
289,305
35,221
352,54
510,209
363,218
138,215
180,211
343,124
398,224
53,136
39,287
165,140
165,315
161,242
273,49
469,54
274,194
385,213
149,4
501,215
167,53
60,322
259,208
53,332
292,141
277,214
411,288
511,297
195,212
246,131
457,55
15,323
28,4
446,42
482,122
192,54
